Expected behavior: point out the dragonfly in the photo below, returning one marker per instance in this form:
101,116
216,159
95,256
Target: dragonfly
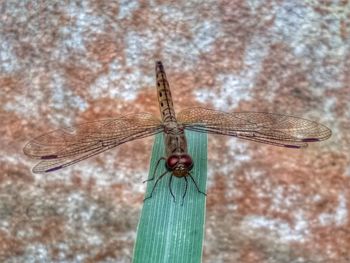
66,146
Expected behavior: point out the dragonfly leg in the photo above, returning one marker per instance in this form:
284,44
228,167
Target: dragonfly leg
171,191
155,170
196,184
155,184
183,196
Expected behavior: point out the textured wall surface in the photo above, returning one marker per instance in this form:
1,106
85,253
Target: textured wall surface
67,62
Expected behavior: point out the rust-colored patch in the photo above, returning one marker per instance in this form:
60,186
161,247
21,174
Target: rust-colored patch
76,180
110,250
183,85
11,85
250,253
51,230
80,77
146,101
141,17
344,29
336,239
105,108
12,174
110,9
104,48
217,192
10,246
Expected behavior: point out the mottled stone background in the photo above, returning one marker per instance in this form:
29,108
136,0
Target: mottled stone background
68,62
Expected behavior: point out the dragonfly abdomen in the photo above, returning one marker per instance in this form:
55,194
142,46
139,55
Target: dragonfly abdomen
165,100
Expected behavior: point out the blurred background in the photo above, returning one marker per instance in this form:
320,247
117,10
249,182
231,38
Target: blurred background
67,62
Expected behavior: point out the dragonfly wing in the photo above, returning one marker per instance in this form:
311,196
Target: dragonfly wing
270,128
63,147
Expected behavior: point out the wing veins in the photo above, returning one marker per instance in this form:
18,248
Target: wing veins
61,162
256,126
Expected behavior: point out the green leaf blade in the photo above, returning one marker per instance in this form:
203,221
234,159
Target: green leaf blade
169,231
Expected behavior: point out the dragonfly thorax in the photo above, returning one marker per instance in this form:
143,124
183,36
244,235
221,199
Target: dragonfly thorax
179,164
174,128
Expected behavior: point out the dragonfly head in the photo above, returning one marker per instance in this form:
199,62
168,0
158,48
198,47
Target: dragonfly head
179,164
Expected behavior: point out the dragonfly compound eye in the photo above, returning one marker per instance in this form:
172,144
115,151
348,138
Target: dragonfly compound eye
186,160
172,161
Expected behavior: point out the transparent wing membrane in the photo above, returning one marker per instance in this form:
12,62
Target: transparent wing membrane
269,128
64,147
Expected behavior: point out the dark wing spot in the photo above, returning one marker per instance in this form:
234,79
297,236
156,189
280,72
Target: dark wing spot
54,169
292,146
48,157
311,140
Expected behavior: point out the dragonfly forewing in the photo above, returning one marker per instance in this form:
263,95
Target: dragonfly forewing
64,147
